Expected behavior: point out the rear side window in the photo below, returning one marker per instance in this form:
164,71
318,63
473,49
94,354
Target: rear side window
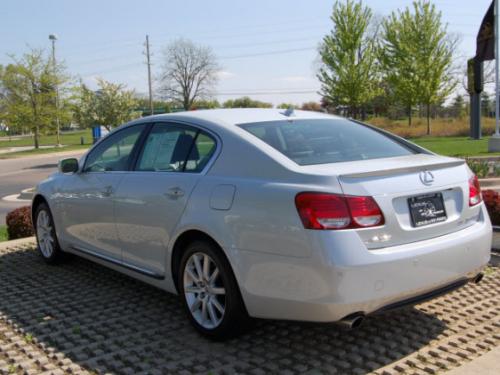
175,148
309,142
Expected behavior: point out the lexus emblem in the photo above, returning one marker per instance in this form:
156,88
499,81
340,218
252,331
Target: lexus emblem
426,177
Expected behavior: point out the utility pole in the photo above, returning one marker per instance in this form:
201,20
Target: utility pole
53,38
149,76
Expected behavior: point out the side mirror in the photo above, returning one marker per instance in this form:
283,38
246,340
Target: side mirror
69,165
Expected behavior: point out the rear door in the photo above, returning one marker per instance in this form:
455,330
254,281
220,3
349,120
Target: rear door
151,199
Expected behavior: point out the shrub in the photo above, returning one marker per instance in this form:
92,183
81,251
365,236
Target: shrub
492,201
481,168
19,223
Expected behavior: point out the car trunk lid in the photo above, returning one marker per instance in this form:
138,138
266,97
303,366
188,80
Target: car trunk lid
425,179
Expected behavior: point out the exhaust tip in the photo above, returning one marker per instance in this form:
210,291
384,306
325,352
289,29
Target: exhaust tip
357,322
352,321
478,278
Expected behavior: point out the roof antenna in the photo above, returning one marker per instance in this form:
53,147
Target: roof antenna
289,112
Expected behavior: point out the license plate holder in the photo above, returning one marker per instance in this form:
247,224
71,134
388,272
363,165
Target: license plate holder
427,209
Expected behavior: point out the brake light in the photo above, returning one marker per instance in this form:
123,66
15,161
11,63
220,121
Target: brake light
333,211
474,191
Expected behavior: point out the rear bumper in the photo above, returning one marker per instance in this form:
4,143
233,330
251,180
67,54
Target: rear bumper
343,277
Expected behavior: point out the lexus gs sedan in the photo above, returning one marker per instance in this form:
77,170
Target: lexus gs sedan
263,213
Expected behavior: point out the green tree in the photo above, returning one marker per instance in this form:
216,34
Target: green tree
159,106
397,58
348,74
245,102
206,104
287,105
486,104
110,106
417,57
435,53
28,93
458,107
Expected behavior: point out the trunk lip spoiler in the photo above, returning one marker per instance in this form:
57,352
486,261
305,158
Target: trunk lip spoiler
401,170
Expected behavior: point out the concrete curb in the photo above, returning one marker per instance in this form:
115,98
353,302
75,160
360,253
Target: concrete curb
19,242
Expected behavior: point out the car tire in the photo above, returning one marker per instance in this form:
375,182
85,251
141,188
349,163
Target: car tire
46,238
213,301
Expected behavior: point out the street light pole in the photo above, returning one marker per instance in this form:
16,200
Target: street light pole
149,76
53,38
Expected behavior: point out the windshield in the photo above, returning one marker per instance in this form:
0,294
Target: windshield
323,141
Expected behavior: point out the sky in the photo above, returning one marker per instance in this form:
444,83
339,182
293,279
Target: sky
266,48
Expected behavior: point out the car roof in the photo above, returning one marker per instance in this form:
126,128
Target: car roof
235,116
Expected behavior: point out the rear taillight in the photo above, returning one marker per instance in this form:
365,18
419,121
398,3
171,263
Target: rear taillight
333,211
474,191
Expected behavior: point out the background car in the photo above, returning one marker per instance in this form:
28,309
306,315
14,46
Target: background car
268,214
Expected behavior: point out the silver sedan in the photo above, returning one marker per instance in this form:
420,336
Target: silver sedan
268,214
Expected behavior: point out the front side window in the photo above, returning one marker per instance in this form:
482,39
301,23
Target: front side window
113,153
175,148
319,141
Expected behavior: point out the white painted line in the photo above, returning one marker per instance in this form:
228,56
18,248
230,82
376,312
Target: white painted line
15,198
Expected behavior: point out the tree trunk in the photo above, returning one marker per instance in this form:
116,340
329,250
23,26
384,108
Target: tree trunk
37,135
409,115
428,119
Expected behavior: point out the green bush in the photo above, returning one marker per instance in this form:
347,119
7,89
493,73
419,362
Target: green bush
19,223
480,168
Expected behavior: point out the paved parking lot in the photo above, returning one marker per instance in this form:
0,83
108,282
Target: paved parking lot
80,317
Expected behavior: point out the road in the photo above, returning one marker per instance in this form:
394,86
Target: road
22,173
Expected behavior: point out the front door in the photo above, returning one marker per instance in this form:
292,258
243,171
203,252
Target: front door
151,199
88,196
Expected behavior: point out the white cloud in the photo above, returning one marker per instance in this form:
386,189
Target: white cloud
222,74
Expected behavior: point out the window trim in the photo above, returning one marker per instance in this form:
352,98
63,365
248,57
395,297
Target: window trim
138,143
175,123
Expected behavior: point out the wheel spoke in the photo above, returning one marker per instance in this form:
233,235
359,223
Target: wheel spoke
211,313
218,291
204,316
192,289
199,269
214,275
196,305
192,275
206,266
217,305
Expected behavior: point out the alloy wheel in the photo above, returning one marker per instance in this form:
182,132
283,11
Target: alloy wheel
204,291
44,233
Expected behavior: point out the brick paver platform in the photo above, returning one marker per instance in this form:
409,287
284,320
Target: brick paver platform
79,317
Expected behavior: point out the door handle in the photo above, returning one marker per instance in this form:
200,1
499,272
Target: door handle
175,192
108,190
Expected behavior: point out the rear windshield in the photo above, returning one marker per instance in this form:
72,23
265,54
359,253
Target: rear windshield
323,141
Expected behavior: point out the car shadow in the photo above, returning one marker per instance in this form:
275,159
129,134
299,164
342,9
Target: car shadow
109,323
42,166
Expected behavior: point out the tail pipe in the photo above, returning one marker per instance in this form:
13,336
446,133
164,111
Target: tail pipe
478,278
352,321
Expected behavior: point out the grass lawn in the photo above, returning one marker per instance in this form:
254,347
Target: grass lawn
69,138
3,233
455,146
20,154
